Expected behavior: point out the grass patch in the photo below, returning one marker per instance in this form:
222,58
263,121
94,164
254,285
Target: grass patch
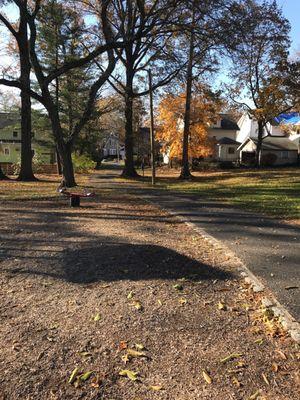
273,192
45,187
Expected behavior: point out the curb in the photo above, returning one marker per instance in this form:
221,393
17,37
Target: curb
287,321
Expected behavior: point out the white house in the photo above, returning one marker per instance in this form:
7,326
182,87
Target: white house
281,139
223,126
248,128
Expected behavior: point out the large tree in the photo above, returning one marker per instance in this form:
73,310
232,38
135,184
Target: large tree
203,110
201,37
148,27
259,50
103,50
19,32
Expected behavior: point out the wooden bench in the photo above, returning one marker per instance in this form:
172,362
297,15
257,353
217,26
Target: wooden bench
75,196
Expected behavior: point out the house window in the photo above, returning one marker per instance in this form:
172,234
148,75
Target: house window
284,154
6,151
231,150
15,134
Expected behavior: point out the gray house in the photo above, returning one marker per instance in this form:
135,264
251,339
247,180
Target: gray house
276,150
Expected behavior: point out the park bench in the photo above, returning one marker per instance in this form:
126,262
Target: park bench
75,196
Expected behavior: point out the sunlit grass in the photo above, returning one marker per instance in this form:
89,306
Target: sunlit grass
274,192
45,187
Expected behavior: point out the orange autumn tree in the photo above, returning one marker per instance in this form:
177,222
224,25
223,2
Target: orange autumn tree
204,108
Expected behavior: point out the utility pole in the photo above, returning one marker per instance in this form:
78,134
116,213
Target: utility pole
152,142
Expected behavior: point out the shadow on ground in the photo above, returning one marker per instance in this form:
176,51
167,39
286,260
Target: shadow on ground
115,261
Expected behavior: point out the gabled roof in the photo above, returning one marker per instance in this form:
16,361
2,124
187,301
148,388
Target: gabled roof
227,140
7,119
276,143
227,123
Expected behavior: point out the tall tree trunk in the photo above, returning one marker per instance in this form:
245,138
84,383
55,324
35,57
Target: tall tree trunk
185,168
67,165
64,149
26,171
258,153
129,170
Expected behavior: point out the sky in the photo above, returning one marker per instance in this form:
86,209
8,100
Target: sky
291,10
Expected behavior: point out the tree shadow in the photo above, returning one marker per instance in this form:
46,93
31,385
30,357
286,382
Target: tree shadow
115,261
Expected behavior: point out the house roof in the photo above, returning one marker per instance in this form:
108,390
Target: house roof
275,143
228,123
7,119
227,140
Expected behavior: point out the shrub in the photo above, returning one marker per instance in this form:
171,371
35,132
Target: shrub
226,165
269,159
82,163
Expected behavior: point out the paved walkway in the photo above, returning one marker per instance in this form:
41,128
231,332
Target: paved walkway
269,247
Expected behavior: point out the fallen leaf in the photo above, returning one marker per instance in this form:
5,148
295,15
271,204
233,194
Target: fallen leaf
236,382
265,379
259,341
139,346
130,374
182,301
125,358
84,377
275,367
231,357
73,375
156,388
97,317
130,295
96,382
137,305
123,345
178,287
206,377
255,395
85,354
54,327
281,353
135,354
222,306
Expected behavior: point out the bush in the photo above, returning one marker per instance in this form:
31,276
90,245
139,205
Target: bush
204,166
226,165
37,164
269,159
82,164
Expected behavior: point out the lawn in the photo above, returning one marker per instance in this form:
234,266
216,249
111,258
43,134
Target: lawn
45,187
273,192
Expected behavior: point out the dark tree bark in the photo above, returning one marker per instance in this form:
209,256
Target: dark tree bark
258,152
129,169
26,171
21,37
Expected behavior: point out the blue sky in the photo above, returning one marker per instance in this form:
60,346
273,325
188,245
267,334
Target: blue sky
291,10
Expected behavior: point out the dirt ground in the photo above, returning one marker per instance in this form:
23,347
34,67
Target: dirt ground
119,285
